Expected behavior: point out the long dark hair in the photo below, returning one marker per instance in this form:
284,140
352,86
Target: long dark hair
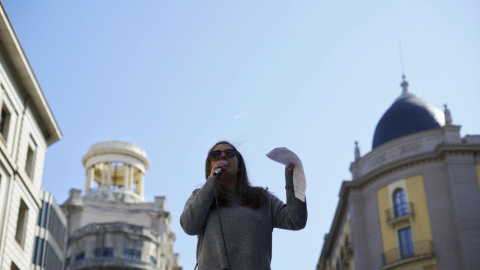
253,197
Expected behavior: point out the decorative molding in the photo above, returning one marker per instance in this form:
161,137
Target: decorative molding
396,153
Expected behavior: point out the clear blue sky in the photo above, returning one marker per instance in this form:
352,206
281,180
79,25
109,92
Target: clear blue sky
174,77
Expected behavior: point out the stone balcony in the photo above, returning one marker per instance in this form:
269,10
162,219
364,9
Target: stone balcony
421,251
112,264
400,214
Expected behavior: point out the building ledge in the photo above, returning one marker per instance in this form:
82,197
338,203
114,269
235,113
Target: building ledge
393,258
111,263
115,227
407,261
395,215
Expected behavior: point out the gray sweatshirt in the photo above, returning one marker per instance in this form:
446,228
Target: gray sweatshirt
248,232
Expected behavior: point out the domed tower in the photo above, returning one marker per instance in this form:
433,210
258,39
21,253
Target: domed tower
111,226
115,171
409,114
413,199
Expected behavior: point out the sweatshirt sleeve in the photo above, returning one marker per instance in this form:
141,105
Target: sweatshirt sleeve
290,216
197,207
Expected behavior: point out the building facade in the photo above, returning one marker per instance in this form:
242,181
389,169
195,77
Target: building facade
111,226
50,236
413,201
27,128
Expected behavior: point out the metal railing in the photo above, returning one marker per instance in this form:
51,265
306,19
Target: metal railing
420,250
347,252
400,213
348,245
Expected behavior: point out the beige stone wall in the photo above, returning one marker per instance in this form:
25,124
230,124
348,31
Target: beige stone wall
23,130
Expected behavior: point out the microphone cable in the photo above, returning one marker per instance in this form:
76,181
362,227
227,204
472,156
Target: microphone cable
221,229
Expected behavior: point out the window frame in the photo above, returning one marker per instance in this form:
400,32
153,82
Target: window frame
400,204
409,246
104,252
80,256
134,254
22,220
30,158
5,122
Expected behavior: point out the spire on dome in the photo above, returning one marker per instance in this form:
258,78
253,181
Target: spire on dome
404,85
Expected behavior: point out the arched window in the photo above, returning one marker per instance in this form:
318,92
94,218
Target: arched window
399,203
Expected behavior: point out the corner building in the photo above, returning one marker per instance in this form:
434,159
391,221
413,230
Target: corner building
414,200
27,128
111,226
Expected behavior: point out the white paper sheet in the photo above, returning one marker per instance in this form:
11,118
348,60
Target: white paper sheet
284,156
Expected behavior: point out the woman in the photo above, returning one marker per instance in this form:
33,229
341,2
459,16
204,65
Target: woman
247,214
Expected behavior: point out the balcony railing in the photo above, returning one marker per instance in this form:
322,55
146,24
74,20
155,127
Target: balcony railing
394,257
111,263
347,252
112,227
400,213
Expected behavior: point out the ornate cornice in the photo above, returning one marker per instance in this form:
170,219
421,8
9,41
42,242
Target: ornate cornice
95,228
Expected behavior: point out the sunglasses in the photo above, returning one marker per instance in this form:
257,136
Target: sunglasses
217,154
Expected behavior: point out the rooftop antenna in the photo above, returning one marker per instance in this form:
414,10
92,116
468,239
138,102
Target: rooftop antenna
404,83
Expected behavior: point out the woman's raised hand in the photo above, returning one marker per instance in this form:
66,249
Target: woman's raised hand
290,166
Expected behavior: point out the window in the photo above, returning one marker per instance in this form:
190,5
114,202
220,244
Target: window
35,248
21,223
40,252
4,122
132,254
14,267
80,256
103,252
45,214
39,218
152,260
29,163
399,203
406,243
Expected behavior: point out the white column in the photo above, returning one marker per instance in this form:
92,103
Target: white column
140,184
90,174
103,174
125,177
132,171
109,174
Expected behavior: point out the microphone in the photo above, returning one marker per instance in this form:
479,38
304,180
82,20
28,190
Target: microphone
219,170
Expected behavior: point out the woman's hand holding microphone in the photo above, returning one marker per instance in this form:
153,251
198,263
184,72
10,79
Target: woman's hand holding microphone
218,168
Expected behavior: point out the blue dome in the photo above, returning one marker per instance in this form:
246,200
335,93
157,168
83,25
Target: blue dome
408,114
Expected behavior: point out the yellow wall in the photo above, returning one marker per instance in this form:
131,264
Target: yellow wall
421,230
478,174
388,234
420,225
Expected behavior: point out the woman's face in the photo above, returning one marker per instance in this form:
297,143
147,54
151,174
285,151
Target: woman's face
232,168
